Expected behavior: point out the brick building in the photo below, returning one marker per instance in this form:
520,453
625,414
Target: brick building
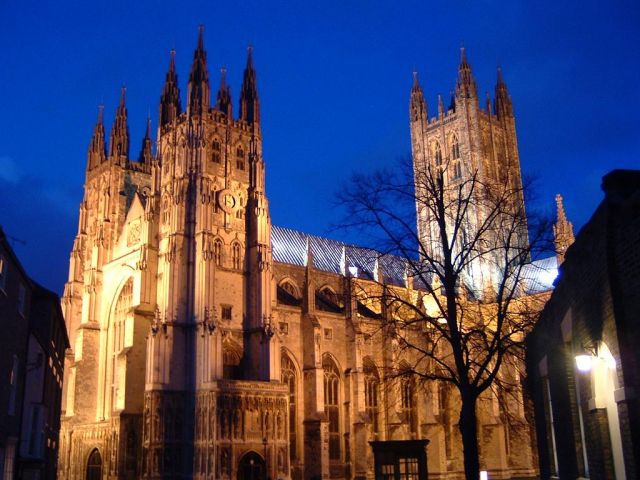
583,357
31,362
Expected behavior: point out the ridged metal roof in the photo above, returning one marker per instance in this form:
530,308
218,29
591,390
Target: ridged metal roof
540,275
290,246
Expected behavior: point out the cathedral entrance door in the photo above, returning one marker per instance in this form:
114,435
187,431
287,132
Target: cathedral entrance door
252,467
94,466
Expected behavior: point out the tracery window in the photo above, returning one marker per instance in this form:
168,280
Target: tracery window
289,378
116,341
455,147
215,154
235,254
240,158
437,154
231,357
217,252
332,406
372,395
408,403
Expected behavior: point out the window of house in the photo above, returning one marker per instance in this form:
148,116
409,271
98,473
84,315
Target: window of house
289,379
408,468
332,406
3,273
284,328
13,385
22,300
226,312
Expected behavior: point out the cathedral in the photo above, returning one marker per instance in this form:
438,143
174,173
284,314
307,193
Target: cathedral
207,343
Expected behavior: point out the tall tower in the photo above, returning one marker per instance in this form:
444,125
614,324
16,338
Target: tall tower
170,294
464,142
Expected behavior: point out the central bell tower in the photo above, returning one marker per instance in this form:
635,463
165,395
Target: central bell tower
212,326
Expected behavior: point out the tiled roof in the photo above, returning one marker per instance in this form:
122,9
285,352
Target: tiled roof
290,246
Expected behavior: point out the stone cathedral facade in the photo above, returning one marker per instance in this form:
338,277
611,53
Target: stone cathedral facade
209,344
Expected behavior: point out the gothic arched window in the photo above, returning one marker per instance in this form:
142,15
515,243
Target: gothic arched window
408,403
240,158
116,334
231,357
289,378
217,252
457,169
215,154
372,395
235,255
455,147
437,153
332,405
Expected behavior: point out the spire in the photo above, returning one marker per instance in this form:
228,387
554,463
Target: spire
417,105
503,105
170,97
198,92
249,102
562,231
119,140
223,101
466,86
440,106
146,153
97,148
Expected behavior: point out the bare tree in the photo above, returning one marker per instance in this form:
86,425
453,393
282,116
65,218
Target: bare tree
470,259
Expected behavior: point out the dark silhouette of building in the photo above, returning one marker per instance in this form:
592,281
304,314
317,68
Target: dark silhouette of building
583,358
32,350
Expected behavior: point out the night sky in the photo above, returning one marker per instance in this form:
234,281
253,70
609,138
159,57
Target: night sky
334,80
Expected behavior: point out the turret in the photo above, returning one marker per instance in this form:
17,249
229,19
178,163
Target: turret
146,153
466,86
249,103
417,105
562,231
503,105
170,98
440,107
223,100
119,140
97,149
199,93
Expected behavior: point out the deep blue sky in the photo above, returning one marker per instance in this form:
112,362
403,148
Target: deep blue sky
334,80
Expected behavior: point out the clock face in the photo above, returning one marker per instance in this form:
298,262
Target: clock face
227,200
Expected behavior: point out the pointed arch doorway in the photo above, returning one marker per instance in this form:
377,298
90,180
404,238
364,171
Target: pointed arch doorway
252,467
94,466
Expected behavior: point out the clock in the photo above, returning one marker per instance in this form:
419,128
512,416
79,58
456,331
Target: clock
227,200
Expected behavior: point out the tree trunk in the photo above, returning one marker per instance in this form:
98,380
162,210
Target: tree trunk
469,429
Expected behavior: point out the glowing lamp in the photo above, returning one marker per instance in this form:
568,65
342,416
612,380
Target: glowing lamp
584,362
484,475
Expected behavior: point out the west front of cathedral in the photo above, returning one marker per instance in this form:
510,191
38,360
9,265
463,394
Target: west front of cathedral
207,343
